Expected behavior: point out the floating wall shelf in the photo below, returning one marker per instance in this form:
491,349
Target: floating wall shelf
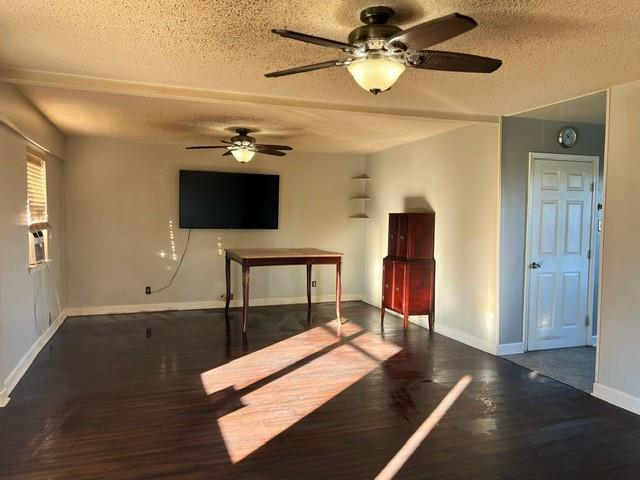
363,197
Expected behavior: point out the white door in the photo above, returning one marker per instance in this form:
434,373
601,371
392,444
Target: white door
559,239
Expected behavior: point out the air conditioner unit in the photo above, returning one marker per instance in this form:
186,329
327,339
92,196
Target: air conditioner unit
38,246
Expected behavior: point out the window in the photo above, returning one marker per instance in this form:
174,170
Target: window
37,208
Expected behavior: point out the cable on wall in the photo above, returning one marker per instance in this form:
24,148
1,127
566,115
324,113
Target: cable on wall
39,328
55,288
175,273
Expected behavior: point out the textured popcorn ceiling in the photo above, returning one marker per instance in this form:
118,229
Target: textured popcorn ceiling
588,109
552,50
165,120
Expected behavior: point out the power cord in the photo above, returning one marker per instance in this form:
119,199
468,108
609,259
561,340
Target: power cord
39,327
184,253
55,289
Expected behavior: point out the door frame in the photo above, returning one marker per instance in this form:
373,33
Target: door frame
595,161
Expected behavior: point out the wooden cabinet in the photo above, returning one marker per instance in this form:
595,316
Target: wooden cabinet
408,280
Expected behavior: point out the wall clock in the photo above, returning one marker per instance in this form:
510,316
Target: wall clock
567,137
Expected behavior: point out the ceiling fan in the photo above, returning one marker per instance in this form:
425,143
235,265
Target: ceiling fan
243,147
377,52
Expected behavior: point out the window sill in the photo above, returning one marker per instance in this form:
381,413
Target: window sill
36,267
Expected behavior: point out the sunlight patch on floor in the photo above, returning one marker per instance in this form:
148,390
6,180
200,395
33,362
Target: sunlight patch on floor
319,365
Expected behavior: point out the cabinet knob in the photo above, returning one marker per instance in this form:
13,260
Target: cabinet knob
391,236
401,237
397,289
386,285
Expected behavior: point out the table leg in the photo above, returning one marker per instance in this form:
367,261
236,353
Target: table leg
338,291
245,297
227,271
309,293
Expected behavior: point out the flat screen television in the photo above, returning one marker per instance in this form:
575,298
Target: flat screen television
219,200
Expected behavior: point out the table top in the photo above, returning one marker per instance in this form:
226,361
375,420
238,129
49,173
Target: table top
261,253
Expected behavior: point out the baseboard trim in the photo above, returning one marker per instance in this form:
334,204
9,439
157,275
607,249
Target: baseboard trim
447,331
617,398
466,338
25,362
509,348
164,307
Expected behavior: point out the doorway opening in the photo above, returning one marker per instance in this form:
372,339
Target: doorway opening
551,239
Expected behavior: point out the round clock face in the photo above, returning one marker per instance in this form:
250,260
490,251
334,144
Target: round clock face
567,137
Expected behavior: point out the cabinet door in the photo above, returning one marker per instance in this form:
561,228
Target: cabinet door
403,234
420,284
398,286
421,227
387,284
393,235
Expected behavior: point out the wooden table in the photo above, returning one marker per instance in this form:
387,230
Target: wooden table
263,257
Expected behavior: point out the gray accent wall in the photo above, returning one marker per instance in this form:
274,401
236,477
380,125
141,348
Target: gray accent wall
520,136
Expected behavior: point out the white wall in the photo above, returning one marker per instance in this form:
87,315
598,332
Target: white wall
123,208
618,379
455,174
23,117
21,331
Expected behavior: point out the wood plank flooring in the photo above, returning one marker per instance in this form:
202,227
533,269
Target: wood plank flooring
294,401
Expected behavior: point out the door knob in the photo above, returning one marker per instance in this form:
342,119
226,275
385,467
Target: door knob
535,265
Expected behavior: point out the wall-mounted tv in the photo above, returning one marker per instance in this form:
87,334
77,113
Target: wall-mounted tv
219,200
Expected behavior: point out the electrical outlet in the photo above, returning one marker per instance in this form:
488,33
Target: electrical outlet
147,290
313,283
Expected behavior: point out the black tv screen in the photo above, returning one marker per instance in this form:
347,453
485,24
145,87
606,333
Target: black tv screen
228,200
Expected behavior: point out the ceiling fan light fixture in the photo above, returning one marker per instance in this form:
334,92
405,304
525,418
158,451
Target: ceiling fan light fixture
376,74
243,154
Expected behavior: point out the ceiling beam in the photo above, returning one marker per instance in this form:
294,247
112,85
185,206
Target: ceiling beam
101,85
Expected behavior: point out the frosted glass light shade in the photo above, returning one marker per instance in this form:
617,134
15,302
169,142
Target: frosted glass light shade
376,74
243,155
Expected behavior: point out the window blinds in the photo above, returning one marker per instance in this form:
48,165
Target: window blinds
36,189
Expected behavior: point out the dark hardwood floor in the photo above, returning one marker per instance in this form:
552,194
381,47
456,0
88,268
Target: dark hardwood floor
294,402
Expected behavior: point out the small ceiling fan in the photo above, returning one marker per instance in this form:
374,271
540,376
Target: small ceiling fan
243,147
377,52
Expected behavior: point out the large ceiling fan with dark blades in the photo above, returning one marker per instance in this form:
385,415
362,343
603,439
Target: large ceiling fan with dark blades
243,147
378,53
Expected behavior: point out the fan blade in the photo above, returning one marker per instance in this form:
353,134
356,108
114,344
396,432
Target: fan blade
268,151
227,141
305,68
455,62
205,146
226,153
273,147
323,42
433,32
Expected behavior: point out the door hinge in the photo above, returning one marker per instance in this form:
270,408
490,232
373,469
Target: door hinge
593,186
589,254
586,320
